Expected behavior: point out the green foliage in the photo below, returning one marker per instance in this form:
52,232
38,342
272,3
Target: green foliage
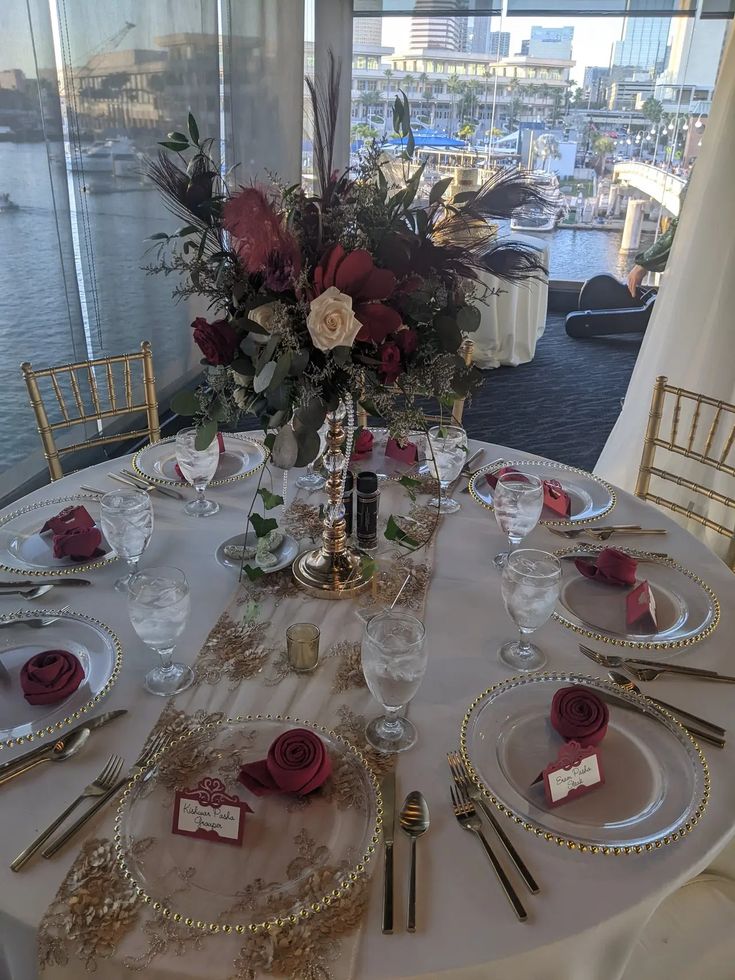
185,403
262,525
253,573
411,485
270,500
205,433
394,533
193,129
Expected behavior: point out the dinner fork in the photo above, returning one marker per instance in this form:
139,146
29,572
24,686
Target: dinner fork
601,533
35,622
149,750
471,790
102,784
467,818
642,671
150,487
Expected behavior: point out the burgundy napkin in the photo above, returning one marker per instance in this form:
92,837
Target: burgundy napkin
611,566
578,714
78,544
297,762
404,454
363,444
50,676
555,496
69,519
220,443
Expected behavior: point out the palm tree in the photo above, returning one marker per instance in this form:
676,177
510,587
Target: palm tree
388,74
545,92
369,100
408,81
423,84
455,86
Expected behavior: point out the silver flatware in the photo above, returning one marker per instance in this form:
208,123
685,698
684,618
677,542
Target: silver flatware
650,670
467,818
95,490
472,791
470,460
99,721
694,730
104,782
691,722
651,557
28,584
33,622
388,792
124,480
415,822
28,594
603,533
493,462
166,491
61,750
150,749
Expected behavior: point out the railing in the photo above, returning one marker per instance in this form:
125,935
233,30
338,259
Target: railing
661,185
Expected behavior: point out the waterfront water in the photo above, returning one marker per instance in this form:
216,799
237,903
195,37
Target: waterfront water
36,256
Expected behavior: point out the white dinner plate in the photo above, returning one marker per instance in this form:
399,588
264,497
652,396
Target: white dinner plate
287,550
242,457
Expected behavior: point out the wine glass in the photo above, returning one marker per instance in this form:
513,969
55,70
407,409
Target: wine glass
447,455
311,480
394,664
158,603
198,467
531,584
518,500
126,517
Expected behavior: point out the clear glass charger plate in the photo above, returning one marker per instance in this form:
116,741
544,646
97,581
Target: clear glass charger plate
393,469
687,610
24,550
298,855
592,498
285,553
93,643
656,785
242,457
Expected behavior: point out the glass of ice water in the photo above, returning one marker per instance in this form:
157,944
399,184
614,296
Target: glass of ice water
126,517
198,467
158,603
446,457
394,664
531,584
518,500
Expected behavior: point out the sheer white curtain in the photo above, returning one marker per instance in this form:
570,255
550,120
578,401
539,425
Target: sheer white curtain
691,335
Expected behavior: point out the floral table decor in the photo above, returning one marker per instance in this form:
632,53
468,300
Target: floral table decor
358,291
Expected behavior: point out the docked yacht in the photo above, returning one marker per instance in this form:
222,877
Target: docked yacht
533,220
114,158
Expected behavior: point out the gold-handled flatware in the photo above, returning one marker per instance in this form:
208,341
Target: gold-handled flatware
603,533
61,750
147,485
414,823
104,782
34,623
150,749
699,727
28,584
463,782
650,670
388,792
467,818
35,592
651,557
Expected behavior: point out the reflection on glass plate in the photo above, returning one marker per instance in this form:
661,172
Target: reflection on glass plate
285,553
296,851
687,610
591,497
23,549
242,457
656,778
393,469
95,646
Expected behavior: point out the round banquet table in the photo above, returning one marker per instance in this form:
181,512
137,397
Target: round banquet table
591,908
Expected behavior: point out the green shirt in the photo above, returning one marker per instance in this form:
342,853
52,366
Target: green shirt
655,257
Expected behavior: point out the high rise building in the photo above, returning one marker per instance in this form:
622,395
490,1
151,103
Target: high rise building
551,42
696,52
481,40
436,33
367,32
643,44
595,83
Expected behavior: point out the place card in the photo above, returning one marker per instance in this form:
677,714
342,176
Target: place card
576,771
640,608
404,454
210,813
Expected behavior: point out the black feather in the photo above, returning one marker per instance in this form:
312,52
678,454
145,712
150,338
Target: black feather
324,99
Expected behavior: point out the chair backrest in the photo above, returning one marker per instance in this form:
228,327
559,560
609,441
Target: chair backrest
83,398
695,427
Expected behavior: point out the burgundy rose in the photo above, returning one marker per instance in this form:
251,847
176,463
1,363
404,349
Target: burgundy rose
390,363
50,676
217,341
297,762
79,544
579,715
408,341
363,444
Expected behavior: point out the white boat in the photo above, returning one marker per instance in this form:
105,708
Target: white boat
533,220
114,158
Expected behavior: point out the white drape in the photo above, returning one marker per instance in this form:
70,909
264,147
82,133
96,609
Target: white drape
691,332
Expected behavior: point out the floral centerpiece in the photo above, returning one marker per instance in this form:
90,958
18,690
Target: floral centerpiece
357,291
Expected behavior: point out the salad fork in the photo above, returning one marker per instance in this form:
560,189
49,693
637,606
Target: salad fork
645,670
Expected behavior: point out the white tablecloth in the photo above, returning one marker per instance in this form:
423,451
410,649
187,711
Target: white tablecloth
584,923
513,316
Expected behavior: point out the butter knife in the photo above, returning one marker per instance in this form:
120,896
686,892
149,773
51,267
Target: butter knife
29,584
388,792
10,769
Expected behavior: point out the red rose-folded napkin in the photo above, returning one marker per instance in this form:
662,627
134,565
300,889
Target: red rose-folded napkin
78,544
220,443
50,676
69,519
404,454
555,496
640,609
297,762
579,714
611,566
363,444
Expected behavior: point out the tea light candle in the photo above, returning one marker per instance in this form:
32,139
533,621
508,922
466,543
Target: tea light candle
302,643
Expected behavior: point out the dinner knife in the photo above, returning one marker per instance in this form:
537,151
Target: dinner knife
711,675
8,769
388,792
166,491
28,584
691,728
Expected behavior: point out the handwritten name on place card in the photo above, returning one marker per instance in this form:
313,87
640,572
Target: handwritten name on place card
210,813
576,771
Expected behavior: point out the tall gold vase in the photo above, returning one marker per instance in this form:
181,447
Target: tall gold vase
335,570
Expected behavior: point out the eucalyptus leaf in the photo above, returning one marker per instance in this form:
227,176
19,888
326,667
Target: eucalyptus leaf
342,355
185,403
282,366
285,448
450,337
312,414
468,318
269,440
205,433
299,363
217,410
270,500
264,377
262,525
243,365
309,445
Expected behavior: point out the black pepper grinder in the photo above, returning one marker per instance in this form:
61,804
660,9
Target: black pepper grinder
368,499
348,501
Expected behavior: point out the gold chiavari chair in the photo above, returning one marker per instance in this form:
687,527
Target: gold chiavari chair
69,381
707,437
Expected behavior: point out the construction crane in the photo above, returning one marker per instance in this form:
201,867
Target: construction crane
109,44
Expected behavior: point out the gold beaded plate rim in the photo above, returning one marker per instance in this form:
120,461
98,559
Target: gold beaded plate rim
352,876
653,709
563,468
56,572
622,641
57,726
161,481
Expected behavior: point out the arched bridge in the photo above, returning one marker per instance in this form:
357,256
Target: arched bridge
658,184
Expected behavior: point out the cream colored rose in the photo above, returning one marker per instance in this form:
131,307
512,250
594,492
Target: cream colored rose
331,321
264,316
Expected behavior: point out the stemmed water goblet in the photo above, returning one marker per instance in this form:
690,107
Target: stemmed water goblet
530,585
311,480
158,603
518,500
394,664
447,455
198,467
126,517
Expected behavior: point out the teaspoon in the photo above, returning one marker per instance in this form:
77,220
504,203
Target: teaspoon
414,822
61,750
